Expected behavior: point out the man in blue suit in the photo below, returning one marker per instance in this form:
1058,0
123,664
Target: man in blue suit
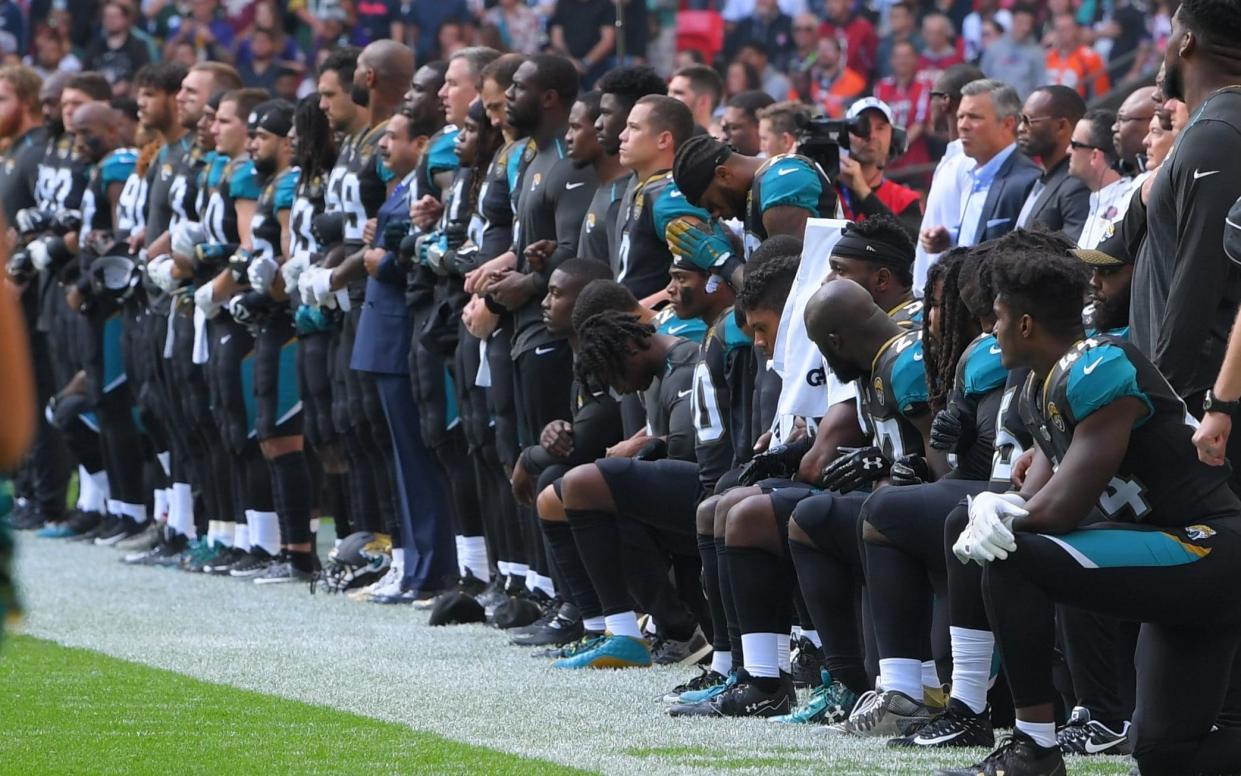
422,557
1002,176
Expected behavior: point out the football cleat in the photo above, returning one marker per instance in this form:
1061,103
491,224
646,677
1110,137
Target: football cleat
146,537
117,530
671,652
225,561
202,553
282,571
561,626
1016,755
704,694
88,525
828,704
887,714
570,649
252,564
1083,735
60,530
166,553
807,662
958,726
706,678
388,584
609,651
743,699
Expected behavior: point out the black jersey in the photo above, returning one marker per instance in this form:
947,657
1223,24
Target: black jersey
62,176
667,401
596,427
786,180
1160,480
908,314
1012,438
494,234
642,259
977,393
239,180
308,200
894,392
594,243
116,167
364,186
278,195
721,401
19,172
131,207
160,178
183,193
552,201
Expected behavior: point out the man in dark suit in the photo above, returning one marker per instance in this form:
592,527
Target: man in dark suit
422,556
1058,202
1002,176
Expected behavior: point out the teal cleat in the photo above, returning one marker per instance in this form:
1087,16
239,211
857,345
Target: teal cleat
694,697
610,651
61,530
828,704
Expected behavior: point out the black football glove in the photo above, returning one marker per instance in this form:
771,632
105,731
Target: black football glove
856,468
910,470
394,231
31,221
239,265
407,250
66,221
328,229
654,450
780,461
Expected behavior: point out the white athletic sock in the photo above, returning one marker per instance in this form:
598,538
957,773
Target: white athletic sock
264,530
241,535
504,567
623,624
115,508
930,675
762,653
971,666
460,555
783,656
795,632
722,662
902,674
398,560
183,497
102,492
1043,733
545,584
163,508
813,637
472,554
594,624
165,462
314,525
86,489
518,570
137,511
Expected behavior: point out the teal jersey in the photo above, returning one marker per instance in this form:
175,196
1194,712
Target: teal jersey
440,157
642,257
116,167
667,322
980,370
893,393
787,180
1160,479
238,180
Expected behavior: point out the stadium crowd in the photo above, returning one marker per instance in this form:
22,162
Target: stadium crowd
881,366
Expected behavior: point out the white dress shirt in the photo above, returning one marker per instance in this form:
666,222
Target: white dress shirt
943,203
1107,206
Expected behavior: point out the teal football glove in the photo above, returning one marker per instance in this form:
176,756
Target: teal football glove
706,249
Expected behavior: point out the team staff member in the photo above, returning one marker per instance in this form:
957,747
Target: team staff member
864,191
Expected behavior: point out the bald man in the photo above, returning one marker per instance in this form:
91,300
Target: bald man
1132,122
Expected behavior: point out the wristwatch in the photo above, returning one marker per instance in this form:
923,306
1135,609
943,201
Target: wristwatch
1212,404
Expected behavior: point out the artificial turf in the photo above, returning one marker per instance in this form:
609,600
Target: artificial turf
74,711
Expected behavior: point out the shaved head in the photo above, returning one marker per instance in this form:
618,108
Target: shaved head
848,327
392,64
96,130
94,116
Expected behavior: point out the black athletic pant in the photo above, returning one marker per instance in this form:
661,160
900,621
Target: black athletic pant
1183,585
564,553
279,414
479,438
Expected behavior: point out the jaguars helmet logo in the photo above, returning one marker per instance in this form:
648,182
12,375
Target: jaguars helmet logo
538,178
877,384
165,170
590,222
1053,414
1199,532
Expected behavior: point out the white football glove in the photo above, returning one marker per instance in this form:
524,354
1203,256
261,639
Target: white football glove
991,525
185,236
321,286
963,547
292,271
160,272
261,273
39,256
203,300
304,288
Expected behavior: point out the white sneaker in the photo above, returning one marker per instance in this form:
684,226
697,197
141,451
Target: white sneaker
388,584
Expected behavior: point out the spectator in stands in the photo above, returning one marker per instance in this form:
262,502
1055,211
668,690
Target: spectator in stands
1017,59
831,84
379,19
771,80
52,53
902,28
262,71
1072,63
637,28
778,126
11,21
585,32
1092,160
909,97
863,189
805,42
858,35
426,20
1058,202
741,121
116,52
207,30
973,27
741,77
1130,40
287,52
939,52
521,31
768,26
699,87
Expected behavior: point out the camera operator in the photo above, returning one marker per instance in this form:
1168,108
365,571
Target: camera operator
864,191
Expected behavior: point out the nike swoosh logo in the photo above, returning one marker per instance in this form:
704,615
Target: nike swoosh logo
1199,174
224,340
683,394
1093,748
675,194
678,329
1093,366
937,740
785,171
918,356
543,351
995,350
572,186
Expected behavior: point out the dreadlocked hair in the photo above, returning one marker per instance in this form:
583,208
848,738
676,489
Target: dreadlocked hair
957,325
979,294
604,341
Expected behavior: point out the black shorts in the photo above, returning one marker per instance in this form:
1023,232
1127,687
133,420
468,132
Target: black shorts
663,494
912,517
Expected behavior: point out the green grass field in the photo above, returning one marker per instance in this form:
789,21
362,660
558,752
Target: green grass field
76,711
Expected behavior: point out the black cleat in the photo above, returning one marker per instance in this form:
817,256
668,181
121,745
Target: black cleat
807,663
253,564
1016,755
1084,736
705,679
121,529
554,629
225,561
958,726
743,699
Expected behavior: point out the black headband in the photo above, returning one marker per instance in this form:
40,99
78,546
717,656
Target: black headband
873,249
693,169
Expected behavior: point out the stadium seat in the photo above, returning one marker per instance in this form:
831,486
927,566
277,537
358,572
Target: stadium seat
702,31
